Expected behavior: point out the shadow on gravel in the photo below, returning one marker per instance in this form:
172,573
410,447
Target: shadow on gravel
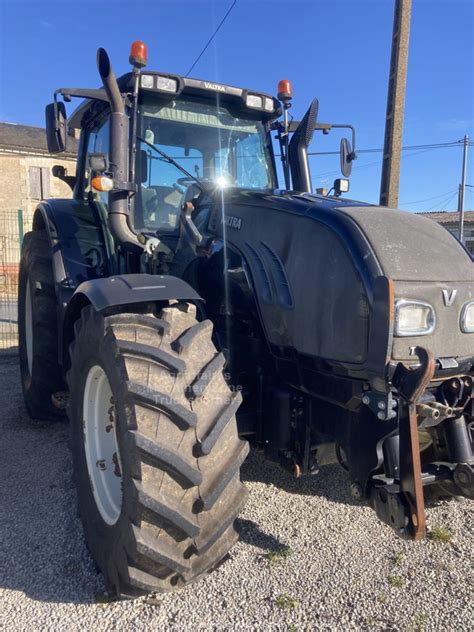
250,533
332,482
42,551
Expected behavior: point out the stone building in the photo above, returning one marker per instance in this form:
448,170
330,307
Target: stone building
25,171
26,178
450,220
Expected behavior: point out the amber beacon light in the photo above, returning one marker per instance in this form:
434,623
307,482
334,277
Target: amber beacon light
138,54
285,91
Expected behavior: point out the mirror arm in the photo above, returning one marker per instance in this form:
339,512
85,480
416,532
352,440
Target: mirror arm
98,94
326,128
353,154
60,172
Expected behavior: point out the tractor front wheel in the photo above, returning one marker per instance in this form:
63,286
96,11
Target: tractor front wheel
156,452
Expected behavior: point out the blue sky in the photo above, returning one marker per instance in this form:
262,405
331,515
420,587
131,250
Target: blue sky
337,50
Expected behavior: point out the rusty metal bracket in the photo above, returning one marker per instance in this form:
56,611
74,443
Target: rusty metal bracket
411,384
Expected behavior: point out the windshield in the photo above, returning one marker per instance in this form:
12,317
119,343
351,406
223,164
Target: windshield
209,142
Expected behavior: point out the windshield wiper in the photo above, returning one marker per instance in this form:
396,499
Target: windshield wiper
173,162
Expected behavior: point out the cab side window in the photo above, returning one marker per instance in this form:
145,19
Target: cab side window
161,192
252,169
98,144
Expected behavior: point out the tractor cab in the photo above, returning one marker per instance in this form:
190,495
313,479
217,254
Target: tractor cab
178,133
185,134
220,144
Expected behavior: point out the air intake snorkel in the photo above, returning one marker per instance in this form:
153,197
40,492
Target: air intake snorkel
298,149
118,212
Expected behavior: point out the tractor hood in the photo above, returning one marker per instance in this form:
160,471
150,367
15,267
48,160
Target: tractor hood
326,272
407,246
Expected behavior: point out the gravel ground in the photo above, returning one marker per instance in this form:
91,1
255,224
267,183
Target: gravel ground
344,570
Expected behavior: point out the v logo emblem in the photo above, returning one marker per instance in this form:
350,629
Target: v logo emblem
449,296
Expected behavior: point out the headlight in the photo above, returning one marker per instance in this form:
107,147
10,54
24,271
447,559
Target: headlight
467,318
167,84
147,81
414,318
253,101
269,104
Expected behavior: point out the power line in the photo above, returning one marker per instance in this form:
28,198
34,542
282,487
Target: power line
212,37
454,143
435,197
445,205
375,162
440,205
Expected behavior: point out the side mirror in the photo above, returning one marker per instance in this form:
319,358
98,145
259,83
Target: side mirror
56,127
99,162
347,156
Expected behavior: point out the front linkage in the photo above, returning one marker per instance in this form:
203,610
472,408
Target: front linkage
395,445
440,410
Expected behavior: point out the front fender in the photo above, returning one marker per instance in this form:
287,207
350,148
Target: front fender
119,293
78,236
129,289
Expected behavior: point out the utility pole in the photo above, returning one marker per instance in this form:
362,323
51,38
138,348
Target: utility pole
462,189
395,105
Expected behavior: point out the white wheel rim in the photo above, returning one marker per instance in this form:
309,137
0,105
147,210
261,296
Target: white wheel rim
101,447
28,328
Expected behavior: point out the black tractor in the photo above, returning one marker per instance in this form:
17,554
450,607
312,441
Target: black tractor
181,306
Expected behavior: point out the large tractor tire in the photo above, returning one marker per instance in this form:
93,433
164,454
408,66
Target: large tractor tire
156,453
38,327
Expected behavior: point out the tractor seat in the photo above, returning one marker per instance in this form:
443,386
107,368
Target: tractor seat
160,205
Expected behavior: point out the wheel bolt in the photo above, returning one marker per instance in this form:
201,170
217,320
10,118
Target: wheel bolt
356,491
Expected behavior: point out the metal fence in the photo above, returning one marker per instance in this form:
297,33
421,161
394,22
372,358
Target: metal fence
11,235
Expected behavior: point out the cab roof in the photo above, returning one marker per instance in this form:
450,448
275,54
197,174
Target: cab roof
96,99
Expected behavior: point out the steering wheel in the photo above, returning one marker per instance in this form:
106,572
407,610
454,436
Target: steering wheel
183,183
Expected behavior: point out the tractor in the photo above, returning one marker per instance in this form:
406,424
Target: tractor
182,306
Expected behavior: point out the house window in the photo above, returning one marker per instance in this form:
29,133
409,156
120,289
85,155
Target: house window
39,183
469,238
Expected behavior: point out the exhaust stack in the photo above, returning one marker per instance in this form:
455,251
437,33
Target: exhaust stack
118,159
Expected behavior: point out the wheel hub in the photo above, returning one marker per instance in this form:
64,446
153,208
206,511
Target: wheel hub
101,446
